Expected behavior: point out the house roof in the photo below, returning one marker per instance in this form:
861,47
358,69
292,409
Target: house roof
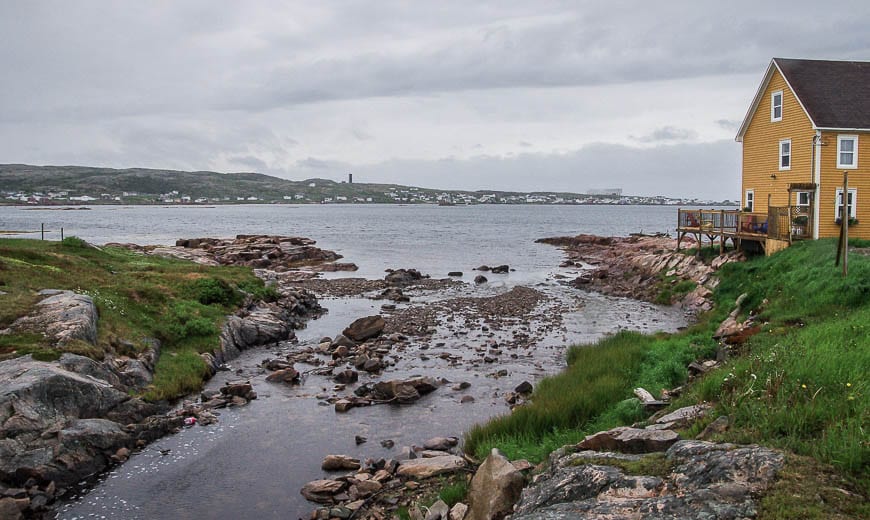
834,94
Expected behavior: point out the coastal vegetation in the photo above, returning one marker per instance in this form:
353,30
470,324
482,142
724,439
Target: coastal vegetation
138,297
799,384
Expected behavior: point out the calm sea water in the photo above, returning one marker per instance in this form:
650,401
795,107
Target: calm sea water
434,239
258,457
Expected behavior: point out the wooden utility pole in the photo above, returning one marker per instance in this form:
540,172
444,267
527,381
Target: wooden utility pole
843,243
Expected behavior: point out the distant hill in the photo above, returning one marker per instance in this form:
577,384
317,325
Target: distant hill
55,184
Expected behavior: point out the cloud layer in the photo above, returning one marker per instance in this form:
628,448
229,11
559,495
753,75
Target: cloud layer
493,90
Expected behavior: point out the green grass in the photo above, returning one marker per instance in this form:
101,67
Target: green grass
592,393
138,297
799,385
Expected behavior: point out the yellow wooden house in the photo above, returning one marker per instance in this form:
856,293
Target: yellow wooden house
808,123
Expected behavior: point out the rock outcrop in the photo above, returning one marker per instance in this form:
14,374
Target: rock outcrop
700,480
62,317
633,267
275,252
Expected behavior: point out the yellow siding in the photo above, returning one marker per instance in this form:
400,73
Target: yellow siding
832,178
761,148
761,162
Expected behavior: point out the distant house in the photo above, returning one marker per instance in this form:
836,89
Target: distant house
808,123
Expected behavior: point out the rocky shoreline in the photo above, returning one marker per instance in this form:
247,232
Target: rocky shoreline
45,448
637,266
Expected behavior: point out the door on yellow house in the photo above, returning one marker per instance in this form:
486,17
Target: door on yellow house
802,215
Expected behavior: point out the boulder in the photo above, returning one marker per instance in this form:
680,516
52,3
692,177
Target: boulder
339,463
524,388
241,389
440,443
458,511
403,391
480,279
342,341
455,274
500,269
425,468
630,440
322,491
346,377
287,375
495,488
365,328
438,511
403,276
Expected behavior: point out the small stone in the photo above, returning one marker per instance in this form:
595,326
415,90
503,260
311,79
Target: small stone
524,388
359,439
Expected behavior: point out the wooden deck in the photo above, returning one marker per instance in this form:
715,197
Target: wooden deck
777,225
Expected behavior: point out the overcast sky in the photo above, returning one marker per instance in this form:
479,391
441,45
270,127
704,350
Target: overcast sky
532,95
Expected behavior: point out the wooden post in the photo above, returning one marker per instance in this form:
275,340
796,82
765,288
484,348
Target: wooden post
61,234
42,231
843,243
721,231
845,223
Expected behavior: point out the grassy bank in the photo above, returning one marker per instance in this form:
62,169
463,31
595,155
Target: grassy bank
800,384
138,297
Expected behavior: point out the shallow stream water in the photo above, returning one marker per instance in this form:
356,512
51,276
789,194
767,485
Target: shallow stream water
255,460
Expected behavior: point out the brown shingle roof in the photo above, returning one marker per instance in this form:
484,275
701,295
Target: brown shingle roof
836,94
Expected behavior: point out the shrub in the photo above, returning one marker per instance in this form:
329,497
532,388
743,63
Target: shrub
208,291
73,241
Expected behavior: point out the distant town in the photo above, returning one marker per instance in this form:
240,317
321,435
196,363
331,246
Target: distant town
402,196
81,185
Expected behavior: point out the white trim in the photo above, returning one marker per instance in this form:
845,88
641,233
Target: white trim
746,197
831,129
773,118
797,201
782,155
854,139
853,208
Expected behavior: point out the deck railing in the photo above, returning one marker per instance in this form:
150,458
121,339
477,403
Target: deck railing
781,223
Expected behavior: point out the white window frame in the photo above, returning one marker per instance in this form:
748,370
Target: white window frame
784,155
854,139
798,202
773,105
838,202
749,200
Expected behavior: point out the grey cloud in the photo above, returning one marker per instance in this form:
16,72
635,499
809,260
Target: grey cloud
667,134
728,124
314,164
249,161
108,60
673,170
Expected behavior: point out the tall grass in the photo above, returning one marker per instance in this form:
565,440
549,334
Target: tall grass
592,392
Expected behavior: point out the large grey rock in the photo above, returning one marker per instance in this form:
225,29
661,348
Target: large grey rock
495,488
630,440
404,390
710,481
365,328
425,468
36,395
684,416
62,317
